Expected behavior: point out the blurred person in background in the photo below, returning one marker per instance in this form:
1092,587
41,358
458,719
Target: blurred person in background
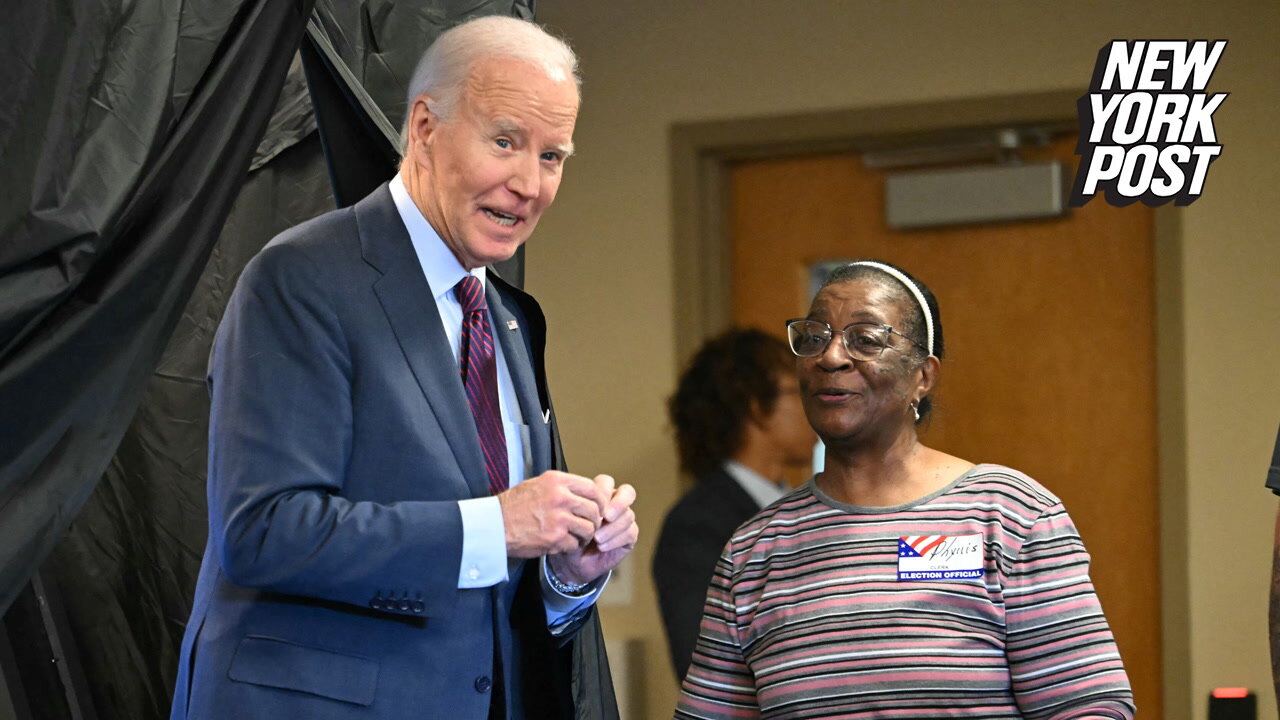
739,423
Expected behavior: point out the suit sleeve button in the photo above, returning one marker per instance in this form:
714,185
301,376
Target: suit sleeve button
417,607
483,683
404,606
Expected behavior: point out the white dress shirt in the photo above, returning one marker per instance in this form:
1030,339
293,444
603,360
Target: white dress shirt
761,489
484,548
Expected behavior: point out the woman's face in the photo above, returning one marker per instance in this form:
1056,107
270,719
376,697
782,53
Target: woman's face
786,425
860,401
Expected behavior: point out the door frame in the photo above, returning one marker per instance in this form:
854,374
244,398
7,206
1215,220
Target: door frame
701,153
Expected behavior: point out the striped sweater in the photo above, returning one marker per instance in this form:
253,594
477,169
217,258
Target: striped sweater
972,602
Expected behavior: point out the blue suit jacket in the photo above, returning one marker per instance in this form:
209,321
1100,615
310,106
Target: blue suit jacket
340,443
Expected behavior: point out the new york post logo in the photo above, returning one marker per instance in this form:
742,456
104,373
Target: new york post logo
1146,125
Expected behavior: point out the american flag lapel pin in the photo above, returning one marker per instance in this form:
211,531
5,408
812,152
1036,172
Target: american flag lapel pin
512,325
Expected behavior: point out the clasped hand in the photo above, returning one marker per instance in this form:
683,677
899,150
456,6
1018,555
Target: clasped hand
584,525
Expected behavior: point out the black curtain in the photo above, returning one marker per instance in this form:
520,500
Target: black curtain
126,134
130,133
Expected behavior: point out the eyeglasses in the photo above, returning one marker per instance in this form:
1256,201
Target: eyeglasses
864,341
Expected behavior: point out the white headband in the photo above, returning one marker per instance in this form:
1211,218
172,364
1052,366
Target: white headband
915,291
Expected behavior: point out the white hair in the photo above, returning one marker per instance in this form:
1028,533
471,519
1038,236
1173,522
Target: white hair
443,70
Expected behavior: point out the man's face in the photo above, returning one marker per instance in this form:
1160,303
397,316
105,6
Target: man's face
483,177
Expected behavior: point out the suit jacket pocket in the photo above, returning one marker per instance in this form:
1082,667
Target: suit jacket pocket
282,664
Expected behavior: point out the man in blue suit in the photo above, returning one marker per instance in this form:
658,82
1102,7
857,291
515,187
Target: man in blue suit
392,534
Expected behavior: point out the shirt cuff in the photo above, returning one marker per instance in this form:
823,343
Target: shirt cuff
484,544
563,609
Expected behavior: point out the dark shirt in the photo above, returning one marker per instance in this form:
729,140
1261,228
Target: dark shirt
1273,476
692,536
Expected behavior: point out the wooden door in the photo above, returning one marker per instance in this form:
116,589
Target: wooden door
1050,344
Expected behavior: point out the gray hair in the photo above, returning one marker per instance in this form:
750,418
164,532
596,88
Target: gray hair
442,72
918,298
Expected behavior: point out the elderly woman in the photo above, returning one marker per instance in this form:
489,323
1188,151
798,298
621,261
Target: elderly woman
901,582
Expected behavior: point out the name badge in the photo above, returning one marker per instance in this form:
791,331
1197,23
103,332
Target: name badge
939,557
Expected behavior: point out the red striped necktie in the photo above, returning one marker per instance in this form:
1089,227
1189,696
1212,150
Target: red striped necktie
480,378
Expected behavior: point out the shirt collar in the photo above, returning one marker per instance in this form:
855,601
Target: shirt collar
760,488
438,262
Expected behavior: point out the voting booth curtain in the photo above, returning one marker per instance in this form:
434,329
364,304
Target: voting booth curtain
147,150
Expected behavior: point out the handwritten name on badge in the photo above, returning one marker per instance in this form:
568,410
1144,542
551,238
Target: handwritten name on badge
940,557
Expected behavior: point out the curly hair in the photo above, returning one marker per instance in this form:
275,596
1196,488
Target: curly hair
715,396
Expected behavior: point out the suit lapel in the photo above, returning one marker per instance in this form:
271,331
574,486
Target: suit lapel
510,330
535,332
733,495
409,304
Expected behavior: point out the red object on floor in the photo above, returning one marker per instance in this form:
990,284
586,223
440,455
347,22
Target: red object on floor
1230,692
1232,703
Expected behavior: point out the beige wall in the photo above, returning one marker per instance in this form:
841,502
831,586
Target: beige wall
603,261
